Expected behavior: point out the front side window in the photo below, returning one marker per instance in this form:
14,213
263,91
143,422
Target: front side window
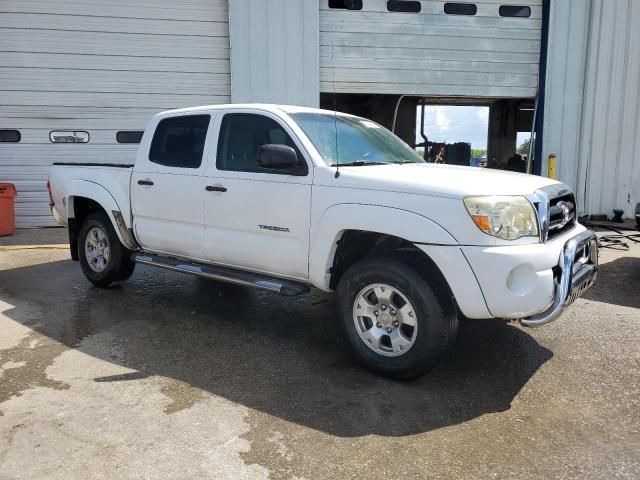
179,141
242,134
347,140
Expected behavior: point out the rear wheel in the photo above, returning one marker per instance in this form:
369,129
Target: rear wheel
102,257
399,322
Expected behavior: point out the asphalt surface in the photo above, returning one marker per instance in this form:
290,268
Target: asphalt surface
170,376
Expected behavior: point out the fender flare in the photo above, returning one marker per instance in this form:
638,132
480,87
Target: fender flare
339,218
100,195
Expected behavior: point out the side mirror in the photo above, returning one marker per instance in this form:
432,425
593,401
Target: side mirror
277,157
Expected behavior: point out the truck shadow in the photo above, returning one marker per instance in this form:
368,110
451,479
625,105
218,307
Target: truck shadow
617,283
282,356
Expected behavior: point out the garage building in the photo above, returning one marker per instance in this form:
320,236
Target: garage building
80,79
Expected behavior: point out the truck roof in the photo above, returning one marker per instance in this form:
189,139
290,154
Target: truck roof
267,107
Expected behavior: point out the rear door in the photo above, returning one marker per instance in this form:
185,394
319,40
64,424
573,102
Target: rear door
167,187
255,218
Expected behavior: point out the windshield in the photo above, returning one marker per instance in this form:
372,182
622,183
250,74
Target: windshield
359,141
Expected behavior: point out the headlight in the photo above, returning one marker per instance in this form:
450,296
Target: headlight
504,217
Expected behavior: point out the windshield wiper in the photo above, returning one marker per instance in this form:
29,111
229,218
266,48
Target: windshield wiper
357,163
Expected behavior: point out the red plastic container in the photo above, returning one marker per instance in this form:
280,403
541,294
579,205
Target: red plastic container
7,216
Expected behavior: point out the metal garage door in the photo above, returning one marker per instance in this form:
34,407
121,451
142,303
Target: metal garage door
101,67
431,53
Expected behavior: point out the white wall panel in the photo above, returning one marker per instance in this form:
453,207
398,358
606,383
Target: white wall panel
275,51
592,120
102,67
430,53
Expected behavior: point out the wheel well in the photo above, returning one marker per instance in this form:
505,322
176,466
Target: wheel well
82,208
354,245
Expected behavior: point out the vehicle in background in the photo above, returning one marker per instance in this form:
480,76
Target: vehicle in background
478,162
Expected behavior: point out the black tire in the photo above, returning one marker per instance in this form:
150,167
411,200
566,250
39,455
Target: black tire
435,316
119,265
127,265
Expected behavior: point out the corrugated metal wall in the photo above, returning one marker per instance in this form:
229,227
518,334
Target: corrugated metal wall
430,53
592,105
275,51
101,67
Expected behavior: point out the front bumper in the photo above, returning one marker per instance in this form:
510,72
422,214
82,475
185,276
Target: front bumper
578,270
534,282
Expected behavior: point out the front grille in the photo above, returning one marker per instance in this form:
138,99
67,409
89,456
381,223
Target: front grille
562,214
556,206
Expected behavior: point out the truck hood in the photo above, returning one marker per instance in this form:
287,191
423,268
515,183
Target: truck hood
441,180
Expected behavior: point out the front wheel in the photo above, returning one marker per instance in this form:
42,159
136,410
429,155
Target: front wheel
102,257
399,322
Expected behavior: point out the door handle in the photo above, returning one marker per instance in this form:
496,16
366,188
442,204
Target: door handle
145,182
212,188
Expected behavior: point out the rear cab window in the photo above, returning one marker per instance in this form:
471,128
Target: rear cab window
180,141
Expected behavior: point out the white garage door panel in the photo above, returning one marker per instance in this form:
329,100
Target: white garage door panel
101,43
45,154
31,117
435,90
421,64
427,77
47,22
197,10
484,55
488,8
427,20
117,62
450,43
46,80
119,99
424,27
40,136
101,67
345,56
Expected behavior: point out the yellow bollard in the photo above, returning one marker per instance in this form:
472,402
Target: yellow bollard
552,167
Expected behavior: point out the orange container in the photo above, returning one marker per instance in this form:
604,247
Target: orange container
7,217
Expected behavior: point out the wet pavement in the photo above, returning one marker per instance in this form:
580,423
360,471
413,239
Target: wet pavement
171,376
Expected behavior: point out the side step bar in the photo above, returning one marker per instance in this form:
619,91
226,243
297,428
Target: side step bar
224,274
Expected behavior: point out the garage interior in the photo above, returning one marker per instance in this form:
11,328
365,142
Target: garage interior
507,117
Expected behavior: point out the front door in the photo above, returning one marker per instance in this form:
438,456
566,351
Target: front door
167,188
255,218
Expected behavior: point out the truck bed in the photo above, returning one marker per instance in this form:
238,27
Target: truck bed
113,178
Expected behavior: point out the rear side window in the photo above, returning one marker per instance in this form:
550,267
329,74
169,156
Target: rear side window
241,134
179,141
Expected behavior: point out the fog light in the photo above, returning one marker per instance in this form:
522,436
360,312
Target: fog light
522,280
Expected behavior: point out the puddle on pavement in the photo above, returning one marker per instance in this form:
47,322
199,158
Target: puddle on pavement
24,366
182,396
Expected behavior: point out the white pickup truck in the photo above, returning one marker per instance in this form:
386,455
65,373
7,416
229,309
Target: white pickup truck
286,198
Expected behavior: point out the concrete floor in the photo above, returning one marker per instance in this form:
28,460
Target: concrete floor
169,376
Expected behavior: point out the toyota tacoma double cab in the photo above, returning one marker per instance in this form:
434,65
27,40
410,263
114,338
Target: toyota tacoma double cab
286,198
